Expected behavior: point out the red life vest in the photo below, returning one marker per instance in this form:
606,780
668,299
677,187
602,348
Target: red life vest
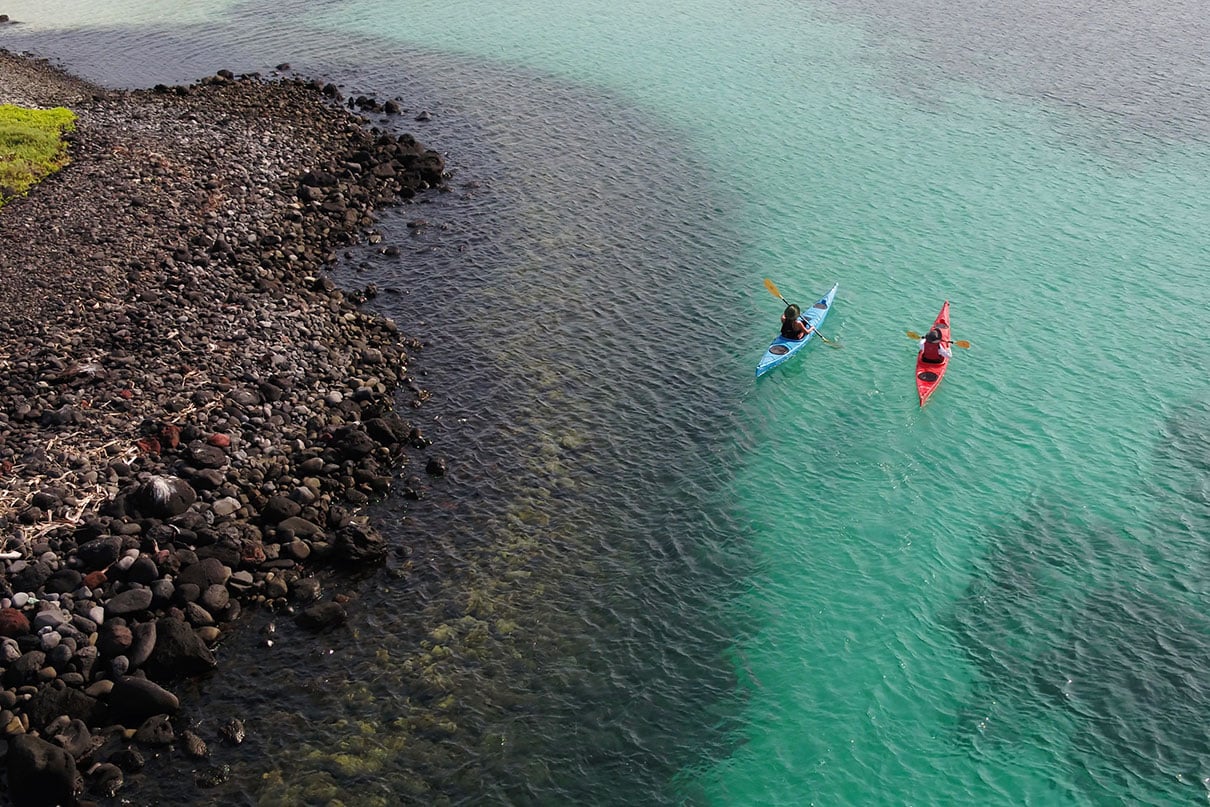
932,352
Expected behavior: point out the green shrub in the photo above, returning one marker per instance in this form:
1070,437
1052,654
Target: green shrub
31,146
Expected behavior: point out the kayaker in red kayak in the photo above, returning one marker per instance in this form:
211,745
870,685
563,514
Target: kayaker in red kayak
932,349
791,326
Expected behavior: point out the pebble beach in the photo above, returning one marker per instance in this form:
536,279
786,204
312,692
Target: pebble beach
193,414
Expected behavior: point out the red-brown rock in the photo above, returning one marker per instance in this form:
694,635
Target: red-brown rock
13,623
170,436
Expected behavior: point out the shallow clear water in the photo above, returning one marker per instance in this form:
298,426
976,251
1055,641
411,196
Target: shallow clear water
652,579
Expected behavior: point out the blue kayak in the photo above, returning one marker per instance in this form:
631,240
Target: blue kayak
782,348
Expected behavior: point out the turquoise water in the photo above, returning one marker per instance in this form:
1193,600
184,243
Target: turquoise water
807,589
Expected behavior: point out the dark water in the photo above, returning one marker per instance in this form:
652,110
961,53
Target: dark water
1136,66
553,627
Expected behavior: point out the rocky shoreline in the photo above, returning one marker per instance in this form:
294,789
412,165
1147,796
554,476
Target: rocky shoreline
192,414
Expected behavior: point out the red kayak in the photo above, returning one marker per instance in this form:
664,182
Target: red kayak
928,374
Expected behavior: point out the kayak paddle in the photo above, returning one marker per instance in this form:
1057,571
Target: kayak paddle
773,290
959,342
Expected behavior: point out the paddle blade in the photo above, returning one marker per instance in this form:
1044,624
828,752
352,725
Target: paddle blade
772,289
914,335
825,339
963,343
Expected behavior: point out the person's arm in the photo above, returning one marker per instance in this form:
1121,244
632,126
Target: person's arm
945,351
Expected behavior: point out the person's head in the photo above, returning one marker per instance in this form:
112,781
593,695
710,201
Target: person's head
933,336
792,312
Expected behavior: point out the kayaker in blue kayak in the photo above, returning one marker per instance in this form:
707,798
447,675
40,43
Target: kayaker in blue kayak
933,348
792,327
